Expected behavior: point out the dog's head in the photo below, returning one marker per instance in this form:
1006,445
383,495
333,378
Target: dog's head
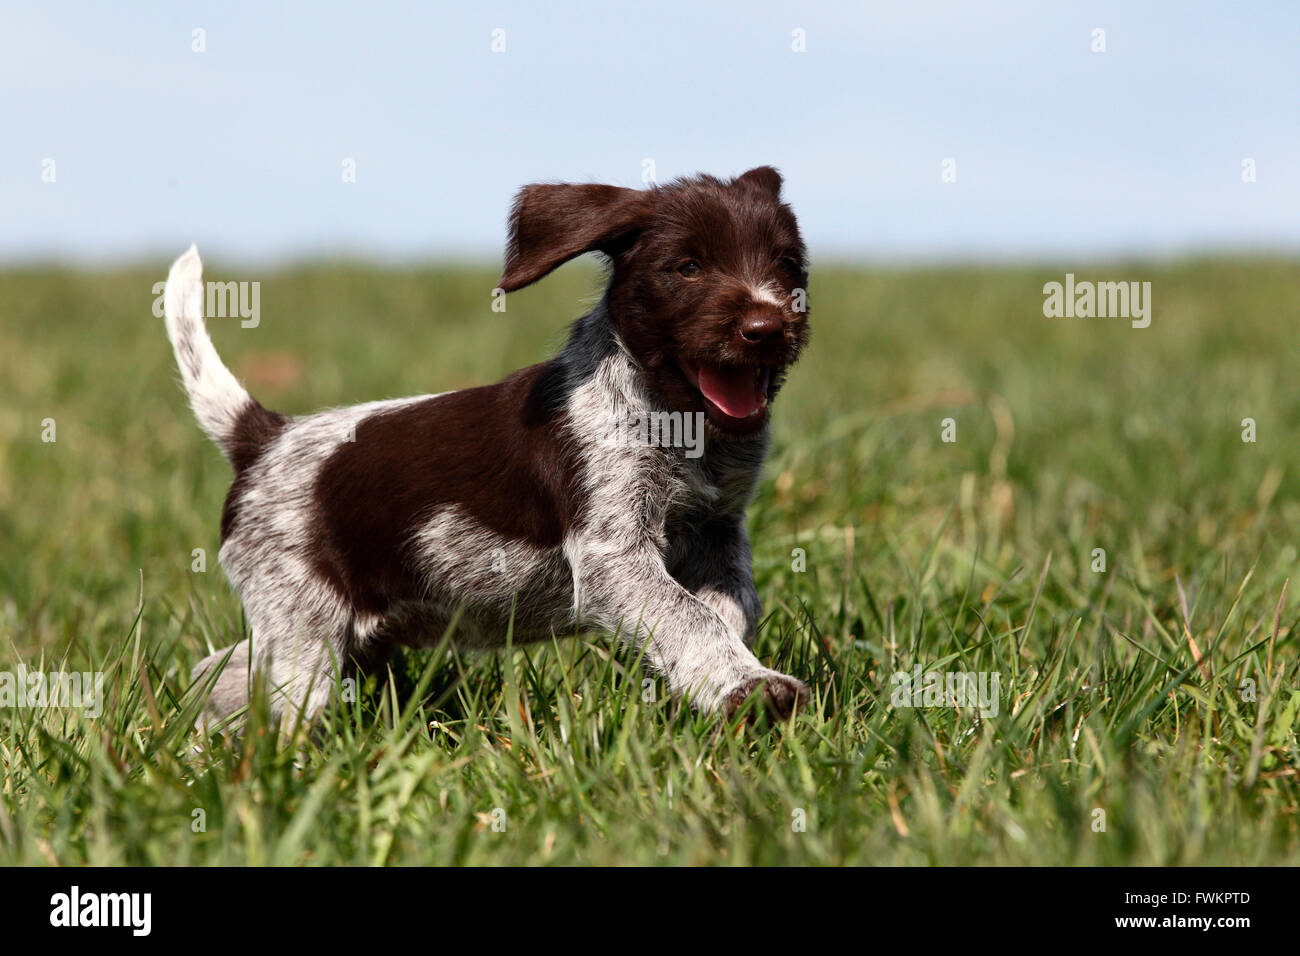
709,283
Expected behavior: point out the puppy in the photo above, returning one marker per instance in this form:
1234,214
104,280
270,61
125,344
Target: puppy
541,503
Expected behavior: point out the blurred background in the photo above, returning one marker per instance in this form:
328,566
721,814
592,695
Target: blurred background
233,124
1083,506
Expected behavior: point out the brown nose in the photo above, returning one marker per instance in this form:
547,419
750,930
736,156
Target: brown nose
760,328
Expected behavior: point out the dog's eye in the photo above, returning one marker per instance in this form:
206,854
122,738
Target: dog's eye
690,269
790,264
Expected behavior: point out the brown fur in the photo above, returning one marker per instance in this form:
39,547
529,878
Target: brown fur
497,451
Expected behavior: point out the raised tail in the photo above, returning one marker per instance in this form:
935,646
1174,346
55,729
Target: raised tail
232,418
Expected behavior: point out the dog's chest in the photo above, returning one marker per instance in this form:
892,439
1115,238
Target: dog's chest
716,484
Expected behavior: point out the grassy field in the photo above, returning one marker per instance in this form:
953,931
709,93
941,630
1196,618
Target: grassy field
1147,712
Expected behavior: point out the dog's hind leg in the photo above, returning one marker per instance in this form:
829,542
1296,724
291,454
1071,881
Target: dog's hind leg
304,654
299,647
300,676
229,690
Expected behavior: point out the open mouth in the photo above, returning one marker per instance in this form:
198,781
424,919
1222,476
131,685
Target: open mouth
734,397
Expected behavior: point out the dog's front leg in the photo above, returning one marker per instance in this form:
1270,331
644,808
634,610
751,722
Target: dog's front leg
700,654
713,561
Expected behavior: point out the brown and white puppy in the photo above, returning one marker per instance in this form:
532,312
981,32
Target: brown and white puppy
353,530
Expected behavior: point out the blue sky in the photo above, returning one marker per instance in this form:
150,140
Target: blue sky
1059,151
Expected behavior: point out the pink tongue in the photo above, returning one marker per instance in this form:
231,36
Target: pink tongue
732,390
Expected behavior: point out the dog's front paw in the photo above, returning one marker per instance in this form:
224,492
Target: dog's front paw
780,694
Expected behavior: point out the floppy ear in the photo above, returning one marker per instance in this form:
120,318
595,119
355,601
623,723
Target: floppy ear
551,224
763,177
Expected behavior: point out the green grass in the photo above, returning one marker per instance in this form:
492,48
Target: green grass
1072,434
